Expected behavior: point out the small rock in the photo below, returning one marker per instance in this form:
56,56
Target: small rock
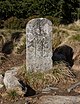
13,70
1,85
10,81
46,90
1,79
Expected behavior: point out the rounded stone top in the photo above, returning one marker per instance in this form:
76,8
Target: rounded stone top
32,21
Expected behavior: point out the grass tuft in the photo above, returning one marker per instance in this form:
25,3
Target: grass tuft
12,94
76,37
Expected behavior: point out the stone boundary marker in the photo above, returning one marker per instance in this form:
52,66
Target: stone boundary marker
39,44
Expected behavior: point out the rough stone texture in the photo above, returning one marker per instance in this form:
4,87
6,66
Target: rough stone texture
39,44
1,81
13,71
11,82
48,99
49,89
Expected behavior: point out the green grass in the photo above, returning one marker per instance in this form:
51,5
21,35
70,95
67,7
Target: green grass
12,94
76,37
38,80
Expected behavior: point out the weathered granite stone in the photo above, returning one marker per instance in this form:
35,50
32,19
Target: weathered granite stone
13,71
1,81
39,44
10,81
51,99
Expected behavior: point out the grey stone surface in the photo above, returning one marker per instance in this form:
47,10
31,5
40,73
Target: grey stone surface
49,99
13,71
39,44
1,81
49,89
10,81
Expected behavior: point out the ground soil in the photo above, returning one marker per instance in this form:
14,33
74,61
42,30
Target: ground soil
12,61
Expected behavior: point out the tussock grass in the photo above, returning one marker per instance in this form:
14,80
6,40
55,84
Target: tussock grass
58,37
12,94
74,26
76,37
38,80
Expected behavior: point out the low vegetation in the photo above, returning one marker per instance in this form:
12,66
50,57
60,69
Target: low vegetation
76,37
15,14
12,94
39,80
